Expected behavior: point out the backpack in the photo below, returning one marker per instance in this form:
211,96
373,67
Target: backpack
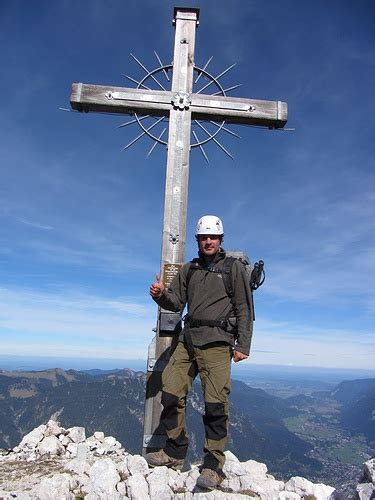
255,273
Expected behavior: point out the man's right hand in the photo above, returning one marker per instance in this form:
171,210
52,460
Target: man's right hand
157,288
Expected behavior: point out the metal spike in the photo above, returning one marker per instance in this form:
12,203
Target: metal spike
204,68
216,78
214,139
136,81
133,121
147,71
133,141
203,88
141,135
225,129
226,70
201,147
223,148
161,64
228,89
155,143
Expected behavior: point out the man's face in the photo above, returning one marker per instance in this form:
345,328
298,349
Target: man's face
209,244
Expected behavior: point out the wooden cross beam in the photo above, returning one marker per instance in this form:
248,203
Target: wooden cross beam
181,106
122,100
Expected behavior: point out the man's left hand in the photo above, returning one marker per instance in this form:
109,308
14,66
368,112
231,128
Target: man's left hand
239,356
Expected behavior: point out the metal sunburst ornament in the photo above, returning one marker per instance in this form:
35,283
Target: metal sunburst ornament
202,131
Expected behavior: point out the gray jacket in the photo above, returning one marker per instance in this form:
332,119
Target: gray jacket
207,299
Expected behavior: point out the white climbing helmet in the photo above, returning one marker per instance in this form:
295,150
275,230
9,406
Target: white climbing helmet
209,224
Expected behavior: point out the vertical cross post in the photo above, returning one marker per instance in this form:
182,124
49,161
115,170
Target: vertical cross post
175,210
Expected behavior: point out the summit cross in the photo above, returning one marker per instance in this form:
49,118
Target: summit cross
180,105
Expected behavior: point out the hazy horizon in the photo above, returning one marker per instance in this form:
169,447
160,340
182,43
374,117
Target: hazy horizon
39,363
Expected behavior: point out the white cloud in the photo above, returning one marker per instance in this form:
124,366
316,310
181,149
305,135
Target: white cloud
37,225
303,345
77,317
75,324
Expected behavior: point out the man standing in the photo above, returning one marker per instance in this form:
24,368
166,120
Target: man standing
216,329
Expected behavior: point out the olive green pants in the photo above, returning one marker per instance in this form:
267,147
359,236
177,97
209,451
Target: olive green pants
213,363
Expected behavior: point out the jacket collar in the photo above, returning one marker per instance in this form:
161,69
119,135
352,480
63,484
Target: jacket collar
220,255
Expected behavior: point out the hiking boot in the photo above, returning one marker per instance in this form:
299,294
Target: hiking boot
209,479
159,458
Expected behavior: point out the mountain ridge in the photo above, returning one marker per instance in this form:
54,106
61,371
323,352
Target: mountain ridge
106,400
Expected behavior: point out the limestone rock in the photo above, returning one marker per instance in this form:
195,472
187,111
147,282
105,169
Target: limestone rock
82,451
34,437
137,464
266,490
72,449
110,441
19,495
63,464
77,434
230,457
257,470
53,429
304,488
57,486
121,488
192,477
365,491
51,445
250,477
64,440
288,495
369,470
158,481
77,466
122,469
137,487
104,478
232,484
177,481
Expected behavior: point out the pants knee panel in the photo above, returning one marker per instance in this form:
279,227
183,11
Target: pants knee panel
170,413
215,421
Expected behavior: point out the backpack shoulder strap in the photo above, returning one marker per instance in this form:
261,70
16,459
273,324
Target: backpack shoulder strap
227,277
194,265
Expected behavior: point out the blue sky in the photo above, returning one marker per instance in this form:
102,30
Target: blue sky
81,221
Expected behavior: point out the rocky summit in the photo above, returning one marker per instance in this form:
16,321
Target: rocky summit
55,463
